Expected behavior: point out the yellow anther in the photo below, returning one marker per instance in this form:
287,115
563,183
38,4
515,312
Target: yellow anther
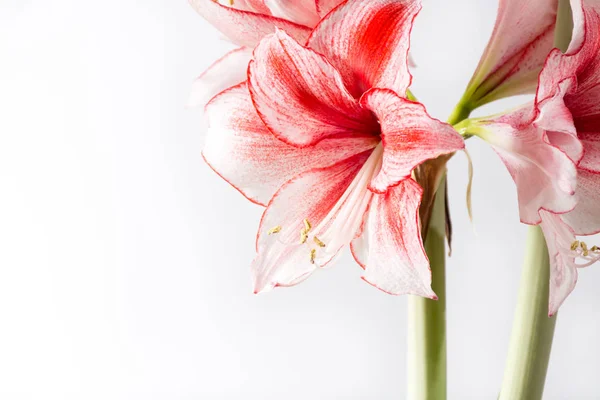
584,247
318,242
313,254
303,236
595,248
307,225
575,245
274,230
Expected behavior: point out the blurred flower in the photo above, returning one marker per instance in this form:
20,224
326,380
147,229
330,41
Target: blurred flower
325,138
245,23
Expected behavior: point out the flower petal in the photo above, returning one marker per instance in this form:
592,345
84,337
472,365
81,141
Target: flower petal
585,218
544,175
325,6
300,96
300,11
390,246
523,36
282,260
356,31
226,72
410,136
563,270
245,28
591,157
241,149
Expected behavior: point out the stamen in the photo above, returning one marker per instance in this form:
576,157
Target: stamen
274,230
585,249
595,249
307,225
313,254
318,242
303,236
575,245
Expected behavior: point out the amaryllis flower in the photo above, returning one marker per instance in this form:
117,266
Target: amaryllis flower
245,23
324,137
552,150
521,40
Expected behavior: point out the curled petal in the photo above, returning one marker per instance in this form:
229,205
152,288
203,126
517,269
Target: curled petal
300,11
356,31
585,218
563,270
410,136
300,96
286,258
241,149
523,36
226,72
545,176
390,248
245,28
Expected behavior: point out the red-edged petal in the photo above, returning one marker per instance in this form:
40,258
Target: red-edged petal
410,136
300,11
257,6
545,176
585,218
368,42
226,72
563,270
300,96
245,28
241,149
390,246
282,260
521,40
325,6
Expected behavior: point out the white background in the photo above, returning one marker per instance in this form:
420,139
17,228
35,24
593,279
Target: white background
124,259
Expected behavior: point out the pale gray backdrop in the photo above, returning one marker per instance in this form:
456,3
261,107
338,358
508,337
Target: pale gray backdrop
124,259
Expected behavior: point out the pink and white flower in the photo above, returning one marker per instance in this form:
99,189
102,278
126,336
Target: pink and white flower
552,150
324,137
521,40
245,23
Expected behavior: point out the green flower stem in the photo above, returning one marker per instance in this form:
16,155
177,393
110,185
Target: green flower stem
427,318
460,113
532,332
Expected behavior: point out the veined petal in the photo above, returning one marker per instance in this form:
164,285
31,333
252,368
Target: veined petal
300,11
522,38
585,218
226,72
285,255
390,248
241,149
591,158
544,175
325,6
300,96
246,28
563,270
368,42
257,6
409,135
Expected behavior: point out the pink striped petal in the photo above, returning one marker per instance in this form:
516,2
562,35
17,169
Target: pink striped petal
390,248
410,136
240,148
300,11
300,96
591,158
283,259
257,6
246,28
585,218
368,42
226,72
522,38
563,270
545,176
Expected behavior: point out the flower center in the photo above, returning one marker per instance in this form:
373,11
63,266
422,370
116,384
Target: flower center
582,251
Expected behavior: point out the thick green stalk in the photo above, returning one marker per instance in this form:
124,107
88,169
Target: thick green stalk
532,332
427,318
